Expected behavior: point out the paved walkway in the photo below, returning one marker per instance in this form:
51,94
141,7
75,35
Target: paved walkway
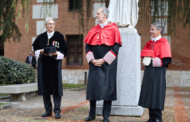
75,108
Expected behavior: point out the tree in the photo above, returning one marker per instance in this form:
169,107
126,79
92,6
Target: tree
10,11
177,11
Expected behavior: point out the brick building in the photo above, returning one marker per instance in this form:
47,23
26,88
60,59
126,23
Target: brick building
67,22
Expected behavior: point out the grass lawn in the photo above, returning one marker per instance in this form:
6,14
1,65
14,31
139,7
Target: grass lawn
4,94
70,86
3,104
7,84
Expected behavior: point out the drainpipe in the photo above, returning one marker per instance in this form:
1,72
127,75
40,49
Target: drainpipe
85,78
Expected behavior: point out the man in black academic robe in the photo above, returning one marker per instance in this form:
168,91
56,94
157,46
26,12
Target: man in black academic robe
50,67
31,60
102,45
156,56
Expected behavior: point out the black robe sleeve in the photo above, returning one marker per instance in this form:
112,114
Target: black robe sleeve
88,48
115,49
166,61
89,53
36,45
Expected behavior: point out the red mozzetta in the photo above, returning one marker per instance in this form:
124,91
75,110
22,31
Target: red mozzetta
161,49
109,35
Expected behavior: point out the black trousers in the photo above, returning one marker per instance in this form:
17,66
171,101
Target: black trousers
106,109
155,114
48,104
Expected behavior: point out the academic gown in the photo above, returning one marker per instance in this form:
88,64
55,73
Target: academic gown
49,68
102,80
153,87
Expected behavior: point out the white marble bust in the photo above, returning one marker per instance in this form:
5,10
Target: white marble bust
124,12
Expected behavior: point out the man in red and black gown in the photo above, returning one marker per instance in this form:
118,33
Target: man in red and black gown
156,56
102,45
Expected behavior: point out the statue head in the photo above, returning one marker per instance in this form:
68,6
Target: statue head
156,29
50,24
102,14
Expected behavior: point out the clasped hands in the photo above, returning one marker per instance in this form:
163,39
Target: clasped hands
98,62
47,54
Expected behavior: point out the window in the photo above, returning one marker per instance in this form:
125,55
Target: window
75,49
75,4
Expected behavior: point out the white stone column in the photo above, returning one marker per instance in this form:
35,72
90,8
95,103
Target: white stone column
128,76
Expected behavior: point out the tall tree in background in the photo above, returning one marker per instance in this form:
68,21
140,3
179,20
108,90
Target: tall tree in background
10,11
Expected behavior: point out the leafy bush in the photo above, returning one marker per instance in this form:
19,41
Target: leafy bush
15,72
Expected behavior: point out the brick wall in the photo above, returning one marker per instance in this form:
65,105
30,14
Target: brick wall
68,24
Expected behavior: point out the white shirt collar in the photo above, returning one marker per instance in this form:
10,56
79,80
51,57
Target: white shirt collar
157,38
50,34
102,25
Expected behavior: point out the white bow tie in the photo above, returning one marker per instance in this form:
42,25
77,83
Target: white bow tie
102,25
153,39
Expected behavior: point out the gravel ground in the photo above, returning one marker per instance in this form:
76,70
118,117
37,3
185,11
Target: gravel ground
31,110
69,98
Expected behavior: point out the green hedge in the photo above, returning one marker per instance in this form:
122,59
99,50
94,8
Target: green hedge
15,72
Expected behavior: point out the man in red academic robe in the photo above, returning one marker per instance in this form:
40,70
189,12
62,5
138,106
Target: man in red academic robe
156,57
102,45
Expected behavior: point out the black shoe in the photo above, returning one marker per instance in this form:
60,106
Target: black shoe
57,115
90,118
46,114
150,120
106,120
157,120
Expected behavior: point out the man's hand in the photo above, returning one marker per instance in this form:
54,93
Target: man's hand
51,53
54,53
42,50
93,61
98,62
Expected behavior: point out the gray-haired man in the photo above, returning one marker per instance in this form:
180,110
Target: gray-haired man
102,45
156,56
50,66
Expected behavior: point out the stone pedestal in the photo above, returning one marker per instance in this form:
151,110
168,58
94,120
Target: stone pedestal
128,76
18,97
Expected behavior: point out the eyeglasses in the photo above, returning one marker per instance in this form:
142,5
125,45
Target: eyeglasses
153,29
